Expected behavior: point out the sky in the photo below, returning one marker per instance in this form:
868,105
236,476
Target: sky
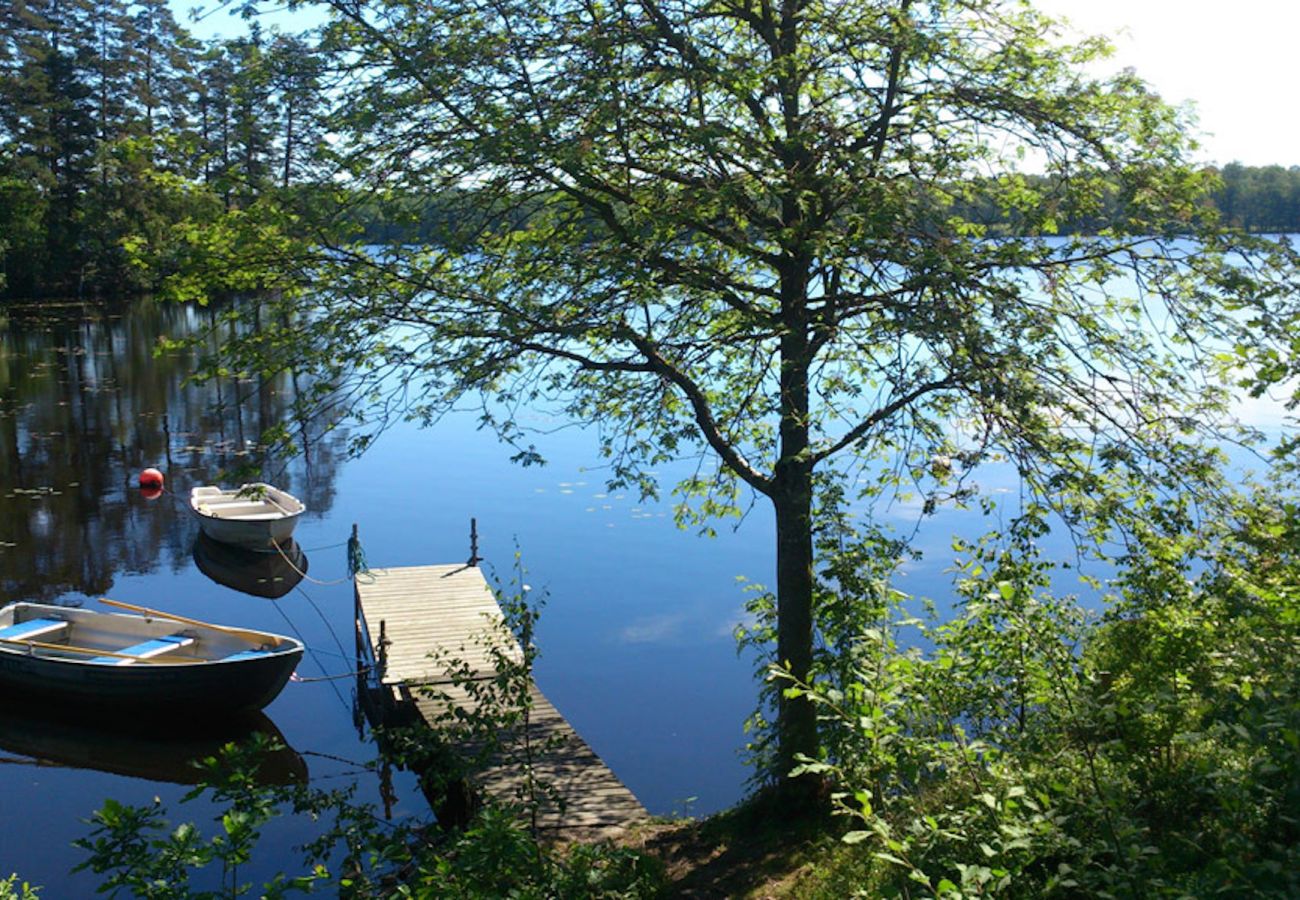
1234,60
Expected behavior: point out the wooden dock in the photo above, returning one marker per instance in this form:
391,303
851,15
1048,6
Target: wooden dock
414,621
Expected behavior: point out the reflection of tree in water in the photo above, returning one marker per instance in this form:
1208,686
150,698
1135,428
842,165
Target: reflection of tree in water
85,404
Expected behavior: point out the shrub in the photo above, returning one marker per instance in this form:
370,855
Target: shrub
1026,747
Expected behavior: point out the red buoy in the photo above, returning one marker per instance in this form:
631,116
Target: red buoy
151,493
151,479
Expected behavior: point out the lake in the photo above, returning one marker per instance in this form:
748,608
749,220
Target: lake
636,632
636,635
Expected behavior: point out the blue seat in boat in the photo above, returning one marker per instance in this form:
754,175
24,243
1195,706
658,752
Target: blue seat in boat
244,654
33,629
146,650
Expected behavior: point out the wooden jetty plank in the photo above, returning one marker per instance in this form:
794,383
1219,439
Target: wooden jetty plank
594,803
450,610
431,609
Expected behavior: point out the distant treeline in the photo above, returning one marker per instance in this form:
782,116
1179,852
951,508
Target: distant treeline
1261,199
116,125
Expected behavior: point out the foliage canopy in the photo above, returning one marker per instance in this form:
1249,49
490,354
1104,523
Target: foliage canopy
749,231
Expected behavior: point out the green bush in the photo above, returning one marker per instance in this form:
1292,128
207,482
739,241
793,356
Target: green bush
1027,748
12,889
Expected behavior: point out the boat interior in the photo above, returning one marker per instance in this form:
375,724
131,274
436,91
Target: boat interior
264,503
242,509
112,639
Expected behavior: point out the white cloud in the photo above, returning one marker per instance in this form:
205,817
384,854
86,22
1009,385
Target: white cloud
653,629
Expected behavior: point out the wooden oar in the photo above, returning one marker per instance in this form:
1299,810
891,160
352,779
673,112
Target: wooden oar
42,645
256,637
278,505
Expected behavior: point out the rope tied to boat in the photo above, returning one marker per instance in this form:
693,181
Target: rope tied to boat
298,679
356,556
301,574
357,564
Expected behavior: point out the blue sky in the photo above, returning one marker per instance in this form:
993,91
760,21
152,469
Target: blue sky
1235,61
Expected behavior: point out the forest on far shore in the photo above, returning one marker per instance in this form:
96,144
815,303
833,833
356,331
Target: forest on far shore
119,126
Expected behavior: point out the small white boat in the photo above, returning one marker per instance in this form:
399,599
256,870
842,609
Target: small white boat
154,662
255,516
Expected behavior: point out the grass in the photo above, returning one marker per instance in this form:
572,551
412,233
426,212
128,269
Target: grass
754,850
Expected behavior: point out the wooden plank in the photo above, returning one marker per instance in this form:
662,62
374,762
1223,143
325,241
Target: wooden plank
147,650
594,803
435,614
430,610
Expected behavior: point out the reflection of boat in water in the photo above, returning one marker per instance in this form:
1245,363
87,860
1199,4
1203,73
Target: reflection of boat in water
44,737
156,663
257,516
260,574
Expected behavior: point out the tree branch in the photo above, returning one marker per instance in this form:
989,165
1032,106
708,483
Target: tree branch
703,414
880,415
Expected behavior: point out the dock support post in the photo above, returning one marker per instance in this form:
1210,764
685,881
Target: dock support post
356,594
361,652
474,558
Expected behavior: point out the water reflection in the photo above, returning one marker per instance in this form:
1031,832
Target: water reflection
165,752
270,575
85,403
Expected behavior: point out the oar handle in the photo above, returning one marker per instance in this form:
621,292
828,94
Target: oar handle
280,506
258,637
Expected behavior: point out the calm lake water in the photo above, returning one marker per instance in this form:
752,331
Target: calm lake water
636,634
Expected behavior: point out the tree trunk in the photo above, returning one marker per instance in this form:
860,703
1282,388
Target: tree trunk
792,482
792,499
288,145
796,718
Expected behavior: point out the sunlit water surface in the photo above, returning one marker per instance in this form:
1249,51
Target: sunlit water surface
636,633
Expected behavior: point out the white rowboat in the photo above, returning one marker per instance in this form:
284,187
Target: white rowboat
254,516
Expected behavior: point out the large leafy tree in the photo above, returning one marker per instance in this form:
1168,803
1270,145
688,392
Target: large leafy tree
792,236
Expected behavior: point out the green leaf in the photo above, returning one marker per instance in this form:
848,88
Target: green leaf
864,802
